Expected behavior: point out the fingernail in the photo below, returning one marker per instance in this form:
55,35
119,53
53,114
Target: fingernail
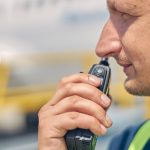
105,100
109,121
94,79
103,130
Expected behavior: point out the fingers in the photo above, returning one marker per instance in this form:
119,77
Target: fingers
72,120
67,82
83,121
82,90
80,77
79,104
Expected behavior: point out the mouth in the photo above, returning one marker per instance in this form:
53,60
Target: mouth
126,67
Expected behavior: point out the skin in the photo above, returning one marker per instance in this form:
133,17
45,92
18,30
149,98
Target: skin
125,37
77,103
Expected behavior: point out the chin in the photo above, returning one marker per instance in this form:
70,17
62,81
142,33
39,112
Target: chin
135,87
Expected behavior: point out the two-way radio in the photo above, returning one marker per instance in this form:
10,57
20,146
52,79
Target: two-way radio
84,139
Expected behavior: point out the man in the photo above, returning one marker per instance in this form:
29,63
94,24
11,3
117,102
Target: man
78,103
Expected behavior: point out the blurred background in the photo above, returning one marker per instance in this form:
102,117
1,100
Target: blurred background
40,42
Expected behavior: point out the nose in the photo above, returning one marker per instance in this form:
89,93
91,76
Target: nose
109,43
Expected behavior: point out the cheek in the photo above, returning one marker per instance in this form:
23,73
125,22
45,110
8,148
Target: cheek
137,50
130,46
136,43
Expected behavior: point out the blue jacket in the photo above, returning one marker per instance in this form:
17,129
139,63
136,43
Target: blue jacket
123,141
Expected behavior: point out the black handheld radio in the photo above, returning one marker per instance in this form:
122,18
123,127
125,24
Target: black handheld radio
84,139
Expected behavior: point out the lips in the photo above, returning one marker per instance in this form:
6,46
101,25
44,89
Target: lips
126,67
124,64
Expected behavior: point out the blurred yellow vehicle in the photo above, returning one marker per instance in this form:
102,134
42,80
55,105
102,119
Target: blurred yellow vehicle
28,80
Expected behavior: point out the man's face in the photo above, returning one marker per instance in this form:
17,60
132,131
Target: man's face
126,37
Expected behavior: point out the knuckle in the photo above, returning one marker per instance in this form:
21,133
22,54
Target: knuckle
68,87
44,111
74,100
73,115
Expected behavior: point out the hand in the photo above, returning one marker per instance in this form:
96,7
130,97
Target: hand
77,103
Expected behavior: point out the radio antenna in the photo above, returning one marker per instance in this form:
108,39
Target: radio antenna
104,61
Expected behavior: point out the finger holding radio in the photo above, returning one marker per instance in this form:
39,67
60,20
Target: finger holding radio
79,104
71,108
83,90
80,77
52,128
66,83
82,105
60,124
